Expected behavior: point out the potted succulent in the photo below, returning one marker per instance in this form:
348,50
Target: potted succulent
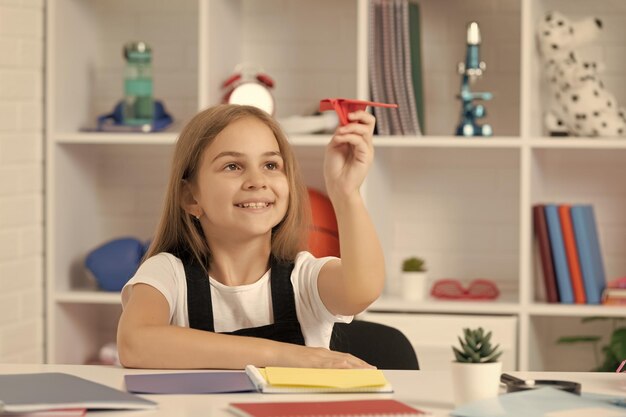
476,369
414,279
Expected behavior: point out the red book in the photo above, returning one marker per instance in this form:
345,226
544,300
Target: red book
545,253
573,262
325,408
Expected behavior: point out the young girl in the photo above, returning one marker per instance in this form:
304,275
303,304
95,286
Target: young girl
225,283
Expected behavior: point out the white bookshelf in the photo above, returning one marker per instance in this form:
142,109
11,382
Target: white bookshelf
462,204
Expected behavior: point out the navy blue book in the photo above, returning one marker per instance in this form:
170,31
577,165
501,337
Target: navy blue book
589,252
561,269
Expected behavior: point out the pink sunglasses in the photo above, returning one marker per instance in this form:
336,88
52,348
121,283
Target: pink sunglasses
452,289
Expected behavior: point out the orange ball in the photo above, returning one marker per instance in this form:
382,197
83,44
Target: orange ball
324,235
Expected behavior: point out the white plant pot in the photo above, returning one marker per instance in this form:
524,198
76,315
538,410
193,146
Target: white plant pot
475,381
414,286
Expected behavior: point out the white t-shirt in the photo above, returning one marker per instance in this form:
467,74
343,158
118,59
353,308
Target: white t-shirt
242,306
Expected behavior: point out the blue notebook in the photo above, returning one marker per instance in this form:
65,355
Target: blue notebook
561,270
189,383
541,402
589,252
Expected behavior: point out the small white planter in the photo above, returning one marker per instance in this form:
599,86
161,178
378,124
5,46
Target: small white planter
414,286
475,381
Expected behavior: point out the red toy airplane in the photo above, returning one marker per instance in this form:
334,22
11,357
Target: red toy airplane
343,106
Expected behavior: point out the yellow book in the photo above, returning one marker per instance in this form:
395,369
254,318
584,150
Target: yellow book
283,380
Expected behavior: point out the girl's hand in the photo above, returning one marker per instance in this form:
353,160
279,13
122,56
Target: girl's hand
349,155
316,357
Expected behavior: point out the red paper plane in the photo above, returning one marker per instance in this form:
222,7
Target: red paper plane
343,106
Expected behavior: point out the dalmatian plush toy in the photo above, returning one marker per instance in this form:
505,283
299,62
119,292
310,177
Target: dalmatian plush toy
580,105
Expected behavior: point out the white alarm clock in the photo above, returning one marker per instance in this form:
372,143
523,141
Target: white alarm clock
250,86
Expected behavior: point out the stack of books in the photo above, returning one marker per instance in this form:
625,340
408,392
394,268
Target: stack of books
614,296
615,292
272,380
569,252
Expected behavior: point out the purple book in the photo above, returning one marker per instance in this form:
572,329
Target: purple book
189,383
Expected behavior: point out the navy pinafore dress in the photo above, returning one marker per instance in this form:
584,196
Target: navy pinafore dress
285,328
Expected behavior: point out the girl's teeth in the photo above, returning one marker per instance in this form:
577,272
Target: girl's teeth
254,205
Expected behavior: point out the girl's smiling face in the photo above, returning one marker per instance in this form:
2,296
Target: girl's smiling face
241,188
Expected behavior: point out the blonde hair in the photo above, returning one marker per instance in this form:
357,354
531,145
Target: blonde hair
179,233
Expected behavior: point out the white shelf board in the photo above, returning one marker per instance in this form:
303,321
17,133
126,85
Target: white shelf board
417,141
577,143
167,138
575,310
159,138
309,140
447,142
399,305
107,138
87,297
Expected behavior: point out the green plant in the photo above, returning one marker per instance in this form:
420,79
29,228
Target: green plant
614,352
413,264
476,347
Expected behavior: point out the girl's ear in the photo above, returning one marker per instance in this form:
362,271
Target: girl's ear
188,201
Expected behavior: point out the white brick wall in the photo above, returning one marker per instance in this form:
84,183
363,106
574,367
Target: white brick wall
458,210
309,52
21,180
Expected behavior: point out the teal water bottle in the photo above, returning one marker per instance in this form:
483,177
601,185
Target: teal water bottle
138,99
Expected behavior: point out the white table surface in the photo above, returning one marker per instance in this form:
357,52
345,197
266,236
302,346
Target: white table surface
426,390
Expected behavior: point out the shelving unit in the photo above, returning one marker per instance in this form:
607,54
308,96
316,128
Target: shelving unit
462,204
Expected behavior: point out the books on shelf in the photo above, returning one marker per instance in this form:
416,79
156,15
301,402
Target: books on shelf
415,40
588,244
615,292
394,77
614,296
545,252
561,269
349,408
569,253
572,254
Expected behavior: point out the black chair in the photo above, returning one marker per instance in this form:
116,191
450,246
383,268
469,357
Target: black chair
377,344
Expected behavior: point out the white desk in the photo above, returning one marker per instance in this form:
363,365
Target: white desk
427,390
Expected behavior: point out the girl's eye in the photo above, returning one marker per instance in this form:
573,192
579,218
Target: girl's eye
272,166
231,167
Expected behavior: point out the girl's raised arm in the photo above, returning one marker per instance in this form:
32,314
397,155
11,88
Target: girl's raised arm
349,286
